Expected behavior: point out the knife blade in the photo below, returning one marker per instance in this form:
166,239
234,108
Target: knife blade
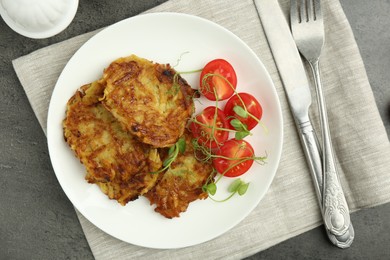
287,58
293,76
295,83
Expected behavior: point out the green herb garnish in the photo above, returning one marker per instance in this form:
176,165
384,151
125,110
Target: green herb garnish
242,130
236,187
239,110
173,152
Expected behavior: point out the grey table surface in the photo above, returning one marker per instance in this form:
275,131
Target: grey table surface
37,221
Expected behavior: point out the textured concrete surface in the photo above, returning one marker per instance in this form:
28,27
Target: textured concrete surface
37,221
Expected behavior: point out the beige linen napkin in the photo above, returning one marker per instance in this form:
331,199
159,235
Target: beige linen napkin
290,206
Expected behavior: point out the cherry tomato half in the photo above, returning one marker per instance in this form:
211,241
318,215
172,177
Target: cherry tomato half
240,154
252,105
204,128
209,83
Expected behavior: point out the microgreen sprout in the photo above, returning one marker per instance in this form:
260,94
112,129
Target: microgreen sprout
240,111
206,85
179,59
210,188
238,186
242,130
175,86
173,152
208,133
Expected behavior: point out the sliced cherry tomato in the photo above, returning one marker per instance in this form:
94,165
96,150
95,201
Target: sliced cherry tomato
213,87
204,129
252,105
240,154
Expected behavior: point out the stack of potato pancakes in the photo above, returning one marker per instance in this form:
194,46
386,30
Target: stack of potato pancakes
121,126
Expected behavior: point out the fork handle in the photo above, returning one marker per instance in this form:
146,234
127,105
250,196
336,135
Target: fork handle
312,152
335,207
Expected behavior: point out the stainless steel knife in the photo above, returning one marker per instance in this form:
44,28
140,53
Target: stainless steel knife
297,89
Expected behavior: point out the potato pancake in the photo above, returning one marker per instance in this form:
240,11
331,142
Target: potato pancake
114,159
150,100
181,184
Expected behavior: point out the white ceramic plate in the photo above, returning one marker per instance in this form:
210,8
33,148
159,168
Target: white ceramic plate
164,38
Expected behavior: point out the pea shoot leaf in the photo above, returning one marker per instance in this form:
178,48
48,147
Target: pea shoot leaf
242,130
171,150
181,144
211,188
167,161
239,110
233,187
238,186
241,135
243,188
236,124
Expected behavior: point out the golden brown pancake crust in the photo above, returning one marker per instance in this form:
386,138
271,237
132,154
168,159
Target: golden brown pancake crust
114,159
181,184
116,124
148,99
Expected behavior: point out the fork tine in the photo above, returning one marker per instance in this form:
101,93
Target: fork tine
317,9
294,12
310,10
302,10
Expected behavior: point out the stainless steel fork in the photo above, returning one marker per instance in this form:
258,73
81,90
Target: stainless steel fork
308,31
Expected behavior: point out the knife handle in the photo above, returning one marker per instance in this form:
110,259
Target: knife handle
312,150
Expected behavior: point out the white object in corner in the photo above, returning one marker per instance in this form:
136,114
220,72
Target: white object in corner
38,18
